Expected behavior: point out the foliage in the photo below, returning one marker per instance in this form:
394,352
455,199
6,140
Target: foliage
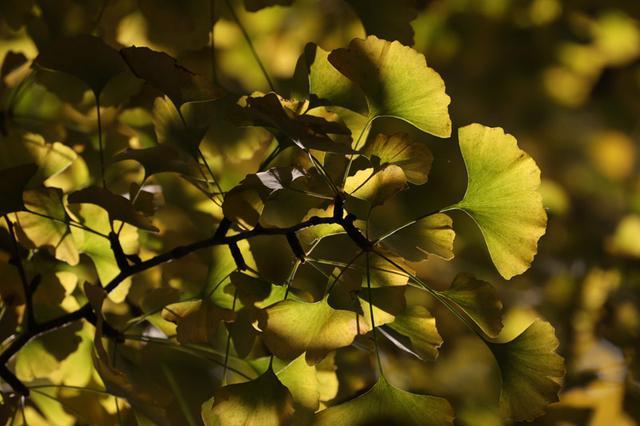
254,222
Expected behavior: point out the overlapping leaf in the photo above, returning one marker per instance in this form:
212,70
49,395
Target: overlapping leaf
413,158
416,332
418,239
13,182
397,82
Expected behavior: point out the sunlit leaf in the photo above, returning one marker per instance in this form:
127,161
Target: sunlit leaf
418,239
294,327
375,187
418,326
85,57
118,207
531,371
478,300
386,404
413,158
396,82
263,401
502,196
197,321
13,182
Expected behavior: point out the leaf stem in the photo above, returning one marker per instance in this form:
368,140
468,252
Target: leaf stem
228,342
100,145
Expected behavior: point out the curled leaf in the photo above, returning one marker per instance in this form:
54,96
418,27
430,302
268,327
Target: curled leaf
502,196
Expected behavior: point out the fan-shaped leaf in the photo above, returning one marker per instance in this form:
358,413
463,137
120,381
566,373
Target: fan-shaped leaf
294,327
502,196
85,57
413,158
530,370
386,404
197,321
263,401
478,300
159,159
397,82
375,187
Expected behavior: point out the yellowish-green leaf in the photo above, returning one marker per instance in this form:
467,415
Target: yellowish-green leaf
159,159
375,187
502,196
418,239
294,327
419,327
264,401
198,321
478,300
413,158
386,404
397,82
531,371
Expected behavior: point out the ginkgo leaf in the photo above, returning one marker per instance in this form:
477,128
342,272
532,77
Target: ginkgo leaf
13,182
531,371
304,130
301,379
397,82
165,74
478,300
85,57
51,158
386,404
387,20
294,327
418,326
502,196
159,159
375,187
321,80
413,158
175,125
264,401
118,207
197,321
55,235
418,239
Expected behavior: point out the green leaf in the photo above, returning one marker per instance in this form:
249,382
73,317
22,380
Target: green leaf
413,158
531,371
43,232
387,20
397,82
502,196
175,125
264,401
85,57
319,79
418,239
118,207
375,188
302,381
294,327
419,327
165,74
13,182
478,300
386,404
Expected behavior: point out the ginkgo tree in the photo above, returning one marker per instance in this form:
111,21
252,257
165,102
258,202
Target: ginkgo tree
102,320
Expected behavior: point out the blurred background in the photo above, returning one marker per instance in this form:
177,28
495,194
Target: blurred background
562,76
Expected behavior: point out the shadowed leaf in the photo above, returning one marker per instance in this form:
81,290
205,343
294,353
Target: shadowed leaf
531,371
502,196
13,182
389,20
418,326
396,82
416,240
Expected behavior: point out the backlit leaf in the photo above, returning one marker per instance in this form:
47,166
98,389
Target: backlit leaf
531,371
397,82
416,240
418,325
264,401
502,196
376,187
294,327
413,158
386,404
197,321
